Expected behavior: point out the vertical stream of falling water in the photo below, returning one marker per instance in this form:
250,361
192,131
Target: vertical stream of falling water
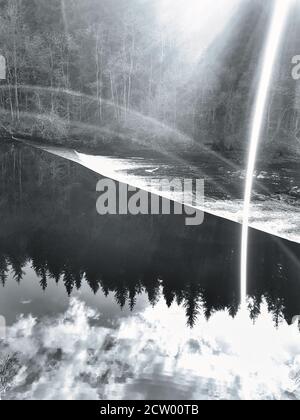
278,23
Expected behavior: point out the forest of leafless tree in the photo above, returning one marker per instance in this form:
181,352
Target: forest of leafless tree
107,71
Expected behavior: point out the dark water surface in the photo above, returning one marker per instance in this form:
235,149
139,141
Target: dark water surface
135,306
275,205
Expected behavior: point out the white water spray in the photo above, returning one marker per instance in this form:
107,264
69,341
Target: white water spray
278,23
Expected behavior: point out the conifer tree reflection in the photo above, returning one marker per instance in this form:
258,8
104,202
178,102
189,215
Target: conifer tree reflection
50,221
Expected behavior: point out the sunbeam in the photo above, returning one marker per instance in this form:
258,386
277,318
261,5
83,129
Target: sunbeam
279,19
196,22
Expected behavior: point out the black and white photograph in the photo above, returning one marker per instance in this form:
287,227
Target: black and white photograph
149,203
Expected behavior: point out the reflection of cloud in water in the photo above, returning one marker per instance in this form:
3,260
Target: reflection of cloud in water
153,355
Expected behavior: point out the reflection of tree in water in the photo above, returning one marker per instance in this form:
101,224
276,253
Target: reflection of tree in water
49,220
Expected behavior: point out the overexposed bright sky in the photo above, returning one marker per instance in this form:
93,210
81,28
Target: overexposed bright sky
196,23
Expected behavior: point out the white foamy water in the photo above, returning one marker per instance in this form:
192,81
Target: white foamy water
271,216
